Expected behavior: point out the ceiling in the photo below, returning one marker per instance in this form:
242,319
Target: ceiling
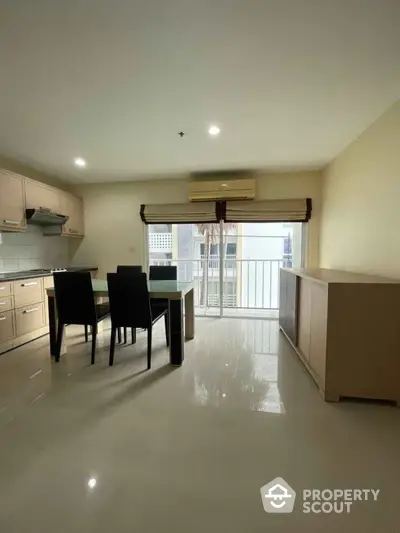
290,83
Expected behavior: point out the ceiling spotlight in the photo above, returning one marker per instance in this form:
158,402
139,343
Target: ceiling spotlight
214,130
80,162
92,483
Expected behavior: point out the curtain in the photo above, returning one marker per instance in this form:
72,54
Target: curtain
188,213
289,210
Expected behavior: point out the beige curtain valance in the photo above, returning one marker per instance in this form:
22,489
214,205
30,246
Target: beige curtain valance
188,213
290,210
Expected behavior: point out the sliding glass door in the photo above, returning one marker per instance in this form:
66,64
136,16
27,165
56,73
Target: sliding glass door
234,267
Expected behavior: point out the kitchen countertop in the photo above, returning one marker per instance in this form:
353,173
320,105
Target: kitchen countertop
12,276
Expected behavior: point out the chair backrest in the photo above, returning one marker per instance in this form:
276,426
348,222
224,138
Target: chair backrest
129,269
163,273
129,300
74,298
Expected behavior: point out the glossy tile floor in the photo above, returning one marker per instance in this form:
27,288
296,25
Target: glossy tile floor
97,449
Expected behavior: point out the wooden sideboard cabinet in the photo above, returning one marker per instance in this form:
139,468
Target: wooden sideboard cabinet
288,295
346,331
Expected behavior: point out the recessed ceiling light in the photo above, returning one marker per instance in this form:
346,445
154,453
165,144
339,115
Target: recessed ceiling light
92,483
214,130
80,162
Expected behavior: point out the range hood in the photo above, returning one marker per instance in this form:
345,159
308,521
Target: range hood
44,217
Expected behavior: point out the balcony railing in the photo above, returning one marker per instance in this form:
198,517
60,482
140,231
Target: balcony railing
247,283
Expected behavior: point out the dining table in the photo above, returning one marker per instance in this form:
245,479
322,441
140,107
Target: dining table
180,296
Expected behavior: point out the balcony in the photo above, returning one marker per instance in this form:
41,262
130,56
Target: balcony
250,286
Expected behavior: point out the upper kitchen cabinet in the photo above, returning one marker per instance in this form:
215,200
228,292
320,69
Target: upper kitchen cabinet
73,208
40,195
12,202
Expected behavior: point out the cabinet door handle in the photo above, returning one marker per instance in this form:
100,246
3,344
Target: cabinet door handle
3,303
31,310
12,222
29,284
3,318
2,288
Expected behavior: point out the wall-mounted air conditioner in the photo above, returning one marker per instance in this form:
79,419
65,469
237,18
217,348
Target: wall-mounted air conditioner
229,189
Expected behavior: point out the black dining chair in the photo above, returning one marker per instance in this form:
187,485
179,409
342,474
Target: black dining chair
129,269
76,305
130,306
163,273
133,270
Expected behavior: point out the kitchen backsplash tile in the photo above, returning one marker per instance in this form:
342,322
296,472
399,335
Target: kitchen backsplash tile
28,250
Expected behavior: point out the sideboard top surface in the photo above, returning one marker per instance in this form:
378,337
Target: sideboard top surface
324,275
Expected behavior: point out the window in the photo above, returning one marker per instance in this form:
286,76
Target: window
214,249
231,248
287,245
287,251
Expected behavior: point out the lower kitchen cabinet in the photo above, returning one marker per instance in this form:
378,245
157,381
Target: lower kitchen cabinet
29,318
7,326
23,311
28,291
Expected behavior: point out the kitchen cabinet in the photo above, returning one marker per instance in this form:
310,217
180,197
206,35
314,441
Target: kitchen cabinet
7,327
18,193
29,318
28,291
40,195
5,288
6,304
73,208
12,202
22,311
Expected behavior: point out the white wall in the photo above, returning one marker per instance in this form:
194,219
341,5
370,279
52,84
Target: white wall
114,231
361,202
30,249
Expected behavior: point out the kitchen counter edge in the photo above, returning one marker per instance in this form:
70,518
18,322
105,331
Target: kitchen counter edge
15,277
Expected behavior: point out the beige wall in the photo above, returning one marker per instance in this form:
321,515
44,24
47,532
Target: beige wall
114,231
29,172
361,202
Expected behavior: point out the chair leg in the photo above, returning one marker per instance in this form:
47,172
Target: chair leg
112,345
94,335
125,335
149,339
86,334
119,335
166,320
60,333
133,333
